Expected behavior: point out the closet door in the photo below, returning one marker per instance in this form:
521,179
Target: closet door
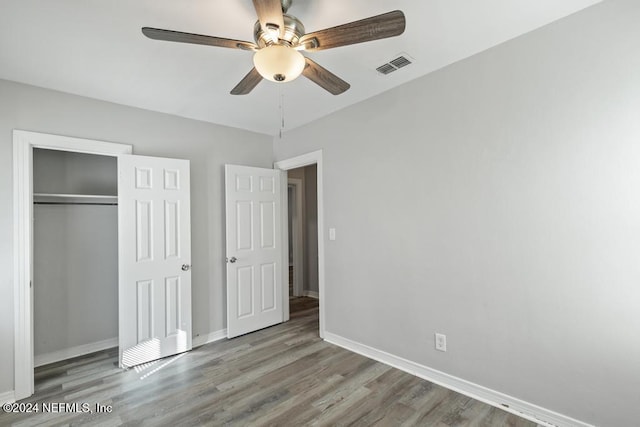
154,240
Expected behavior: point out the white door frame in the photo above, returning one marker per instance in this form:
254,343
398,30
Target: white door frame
297,236
23,144
314,157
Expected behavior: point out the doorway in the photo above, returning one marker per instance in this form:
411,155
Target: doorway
303,240
75,254
303,237
23,145
313,159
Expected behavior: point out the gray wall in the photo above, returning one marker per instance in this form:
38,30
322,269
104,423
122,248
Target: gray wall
66,172
497,201
75,272
75,277
207,146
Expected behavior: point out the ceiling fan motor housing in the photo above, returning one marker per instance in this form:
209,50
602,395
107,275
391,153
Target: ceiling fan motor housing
293,30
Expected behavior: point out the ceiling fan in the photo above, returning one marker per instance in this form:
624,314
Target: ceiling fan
279,39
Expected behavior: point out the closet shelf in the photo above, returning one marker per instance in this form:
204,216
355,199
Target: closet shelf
74,199
78,196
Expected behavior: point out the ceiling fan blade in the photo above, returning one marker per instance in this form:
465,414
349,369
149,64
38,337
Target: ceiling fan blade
324,78
270,15
247,84
376,27
177,36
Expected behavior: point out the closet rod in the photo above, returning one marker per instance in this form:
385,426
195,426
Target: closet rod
75,203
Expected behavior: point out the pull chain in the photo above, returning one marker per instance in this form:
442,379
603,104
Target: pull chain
281,112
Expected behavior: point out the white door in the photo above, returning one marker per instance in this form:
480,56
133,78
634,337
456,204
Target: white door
254,249
154,242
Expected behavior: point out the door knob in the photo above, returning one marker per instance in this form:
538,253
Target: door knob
185,267
233,259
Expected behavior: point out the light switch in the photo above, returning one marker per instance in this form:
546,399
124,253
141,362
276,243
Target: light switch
332,234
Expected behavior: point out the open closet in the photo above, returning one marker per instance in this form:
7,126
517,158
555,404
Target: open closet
75,254
107,269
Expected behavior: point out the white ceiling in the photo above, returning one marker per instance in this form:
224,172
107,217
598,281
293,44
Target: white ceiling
95,48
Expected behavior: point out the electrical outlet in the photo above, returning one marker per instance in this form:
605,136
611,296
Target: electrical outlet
441,342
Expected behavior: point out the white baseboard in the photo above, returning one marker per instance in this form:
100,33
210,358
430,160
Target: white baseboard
209,338
7,397
311,294
542,416
68,353
81,350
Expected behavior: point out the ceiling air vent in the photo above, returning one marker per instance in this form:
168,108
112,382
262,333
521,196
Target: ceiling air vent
386,69
401,61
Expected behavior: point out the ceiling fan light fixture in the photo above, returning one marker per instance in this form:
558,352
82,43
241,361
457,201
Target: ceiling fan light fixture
279,63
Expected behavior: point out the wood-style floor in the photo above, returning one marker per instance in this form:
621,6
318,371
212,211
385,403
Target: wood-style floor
279,376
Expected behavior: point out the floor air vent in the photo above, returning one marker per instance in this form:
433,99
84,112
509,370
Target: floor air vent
395,64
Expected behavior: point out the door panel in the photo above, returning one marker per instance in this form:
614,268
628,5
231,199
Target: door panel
154,243
268,286
244,286
254,250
